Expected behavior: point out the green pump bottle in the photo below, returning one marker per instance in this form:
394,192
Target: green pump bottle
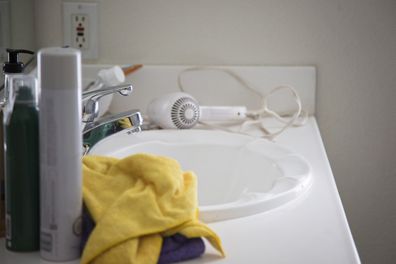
22,165
11,67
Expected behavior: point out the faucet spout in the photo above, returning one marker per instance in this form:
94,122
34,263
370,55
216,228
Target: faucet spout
134,117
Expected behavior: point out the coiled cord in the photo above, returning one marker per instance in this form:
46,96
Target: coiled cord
256,117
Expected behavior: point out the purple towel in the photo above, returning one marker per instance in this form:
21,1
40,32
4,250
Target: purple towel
174,248
178,248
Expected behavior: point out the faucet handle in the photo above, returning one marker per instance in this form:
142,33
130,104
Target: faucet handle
91,100
125,90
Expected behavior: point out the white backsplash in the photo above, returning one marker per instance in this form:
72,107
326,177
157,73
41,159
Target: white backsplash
211,87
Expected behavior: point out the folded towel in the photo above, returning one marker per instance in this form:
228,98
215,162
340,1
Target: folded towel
134,202
175,248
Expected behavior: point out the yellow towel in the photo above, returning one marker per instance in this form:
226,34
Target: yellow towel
134,202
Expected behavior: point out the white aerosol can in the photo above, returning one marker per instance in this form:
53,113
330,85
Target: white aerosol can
59,73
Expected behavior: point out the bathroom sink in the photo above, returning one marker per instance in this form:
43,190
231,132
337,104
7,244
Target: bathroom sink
237,175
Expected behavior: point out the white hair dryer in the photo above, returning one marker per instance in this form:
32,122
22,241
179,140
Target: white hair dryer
181,110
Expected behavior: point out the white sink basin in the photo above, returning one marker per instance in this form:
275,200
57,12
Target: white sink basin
237,175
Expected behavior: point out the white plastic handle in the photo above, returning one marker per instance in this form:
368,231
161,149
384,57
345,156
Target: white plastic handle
222,113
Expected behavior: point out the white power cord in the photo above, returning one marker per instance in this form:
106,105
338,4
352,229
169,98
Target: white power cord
256,117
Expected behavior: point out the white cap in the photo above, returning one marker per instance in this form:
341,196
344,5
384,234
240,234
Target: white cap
112,76
59,68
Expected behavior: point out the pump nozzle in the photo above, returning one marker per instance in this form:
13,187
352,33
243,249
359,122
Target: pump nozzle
13,65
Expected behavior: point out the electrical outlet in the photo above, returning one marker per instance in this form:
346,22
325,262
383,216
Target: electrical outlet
80,27
80,31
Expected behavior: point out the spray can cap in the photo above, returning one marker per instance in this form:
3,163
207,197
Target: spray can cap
25,89
13,65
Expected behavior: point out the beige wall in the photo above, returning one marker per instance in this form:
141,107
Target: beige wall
352,42
22,24
21,30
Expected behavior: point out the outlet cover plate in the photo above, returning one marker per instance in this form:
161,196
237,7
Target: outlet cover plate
88,42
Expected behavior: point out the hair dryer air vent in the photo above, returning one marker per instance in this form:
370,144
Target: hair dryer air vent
185,112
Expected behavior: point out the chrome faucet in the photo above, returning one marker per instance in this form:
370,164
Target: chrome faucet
91,110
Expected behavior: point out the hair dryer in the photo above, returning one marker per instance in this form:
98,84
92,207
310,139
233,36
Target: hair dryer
181,110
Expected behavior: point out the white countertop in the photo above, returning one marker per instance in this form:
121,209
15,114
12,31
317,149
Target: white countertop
311,229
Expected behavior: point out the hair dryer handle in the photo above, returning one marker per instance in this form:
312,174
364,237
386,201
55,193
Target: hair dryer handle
222,113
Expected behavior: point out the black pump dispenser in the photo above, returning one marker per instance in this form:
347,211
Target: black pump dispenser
13,65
